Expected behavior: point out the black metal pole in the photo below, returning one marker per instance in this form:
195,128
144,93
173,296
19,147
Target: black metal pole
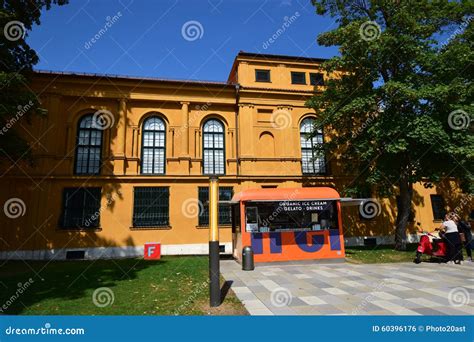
214,272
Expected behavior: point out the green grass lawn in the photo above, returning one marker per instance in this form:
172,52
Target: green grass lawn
383,254
379,254
172,285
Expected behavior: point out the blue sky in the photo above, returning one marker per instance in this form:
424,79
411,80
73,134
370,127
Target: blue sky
146,37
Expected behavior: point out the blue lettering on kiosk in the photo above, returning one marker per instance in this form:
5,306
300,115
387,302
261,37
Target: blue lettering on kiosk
257,243
275,243
301,241
334,240
317,242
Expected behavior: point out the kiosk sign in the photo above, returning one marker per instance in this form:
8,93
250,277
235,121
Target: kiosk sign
303,205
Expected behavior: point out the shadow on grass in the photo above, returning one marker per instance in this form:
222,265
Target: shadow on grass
378,248
380,254
61,281
225,289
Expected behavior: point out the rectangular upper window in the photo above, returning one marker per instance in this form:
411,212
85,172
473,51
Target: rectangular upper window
262,75
225,194
150,206
316,79
437,205
298,77
81,208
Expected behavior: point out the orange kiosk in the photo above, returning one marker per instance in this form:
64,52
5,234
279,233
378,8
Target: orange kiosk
287,224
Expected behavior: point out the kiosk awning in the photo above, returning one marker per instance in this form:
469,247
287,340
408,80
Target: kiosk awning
286,194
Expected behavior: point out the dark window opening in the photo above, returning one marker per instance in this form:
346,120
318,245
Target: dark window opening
235,217
316,79
75,255
298,77
153,146
213,148
88,147
225,213
438,207
150,206
262,75
81,208
313,159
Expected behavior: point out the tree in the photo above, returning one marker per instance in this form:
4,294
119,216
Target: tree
17,58
400,110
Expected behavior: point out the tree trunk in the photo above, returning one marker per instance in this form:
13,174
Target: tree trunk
403,214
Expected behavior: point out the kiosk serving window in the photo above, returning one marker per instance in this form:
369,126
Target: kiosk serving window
280,216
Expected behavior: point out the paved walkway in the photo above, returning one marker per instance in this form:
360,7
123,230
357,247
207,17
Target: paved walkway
350,289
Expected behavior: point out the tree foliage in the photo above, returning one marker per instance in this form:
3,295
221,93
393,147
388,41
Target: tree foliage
401,110
17,59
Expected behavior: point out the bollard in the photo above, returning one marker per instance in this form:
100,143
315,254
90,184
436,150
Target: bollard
247,259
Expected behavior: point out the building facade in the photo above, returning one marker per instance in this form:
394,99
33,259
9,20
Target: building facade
119,161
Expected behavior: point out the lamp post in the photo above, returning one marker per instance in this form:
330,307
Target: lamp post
214,273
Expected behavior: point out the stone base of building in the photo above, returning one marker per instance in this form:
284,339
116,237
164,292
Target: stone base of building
110,252
185,249
379,240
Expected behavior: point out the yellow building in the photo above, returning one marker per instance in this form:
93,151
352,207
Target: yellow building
122,161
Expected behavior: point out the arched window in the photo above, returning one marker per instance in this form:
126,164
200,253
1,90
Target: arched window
88,147
312,156
153,146
213,148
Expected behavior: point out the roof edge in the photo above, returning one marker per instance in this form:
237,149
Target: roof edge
133,78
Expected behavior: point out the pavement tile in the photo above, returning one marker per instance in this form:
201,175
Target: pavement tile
376,289
302,276
393,307
426,311
260,312
423,302
312,300
269,284
241,289
334,291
